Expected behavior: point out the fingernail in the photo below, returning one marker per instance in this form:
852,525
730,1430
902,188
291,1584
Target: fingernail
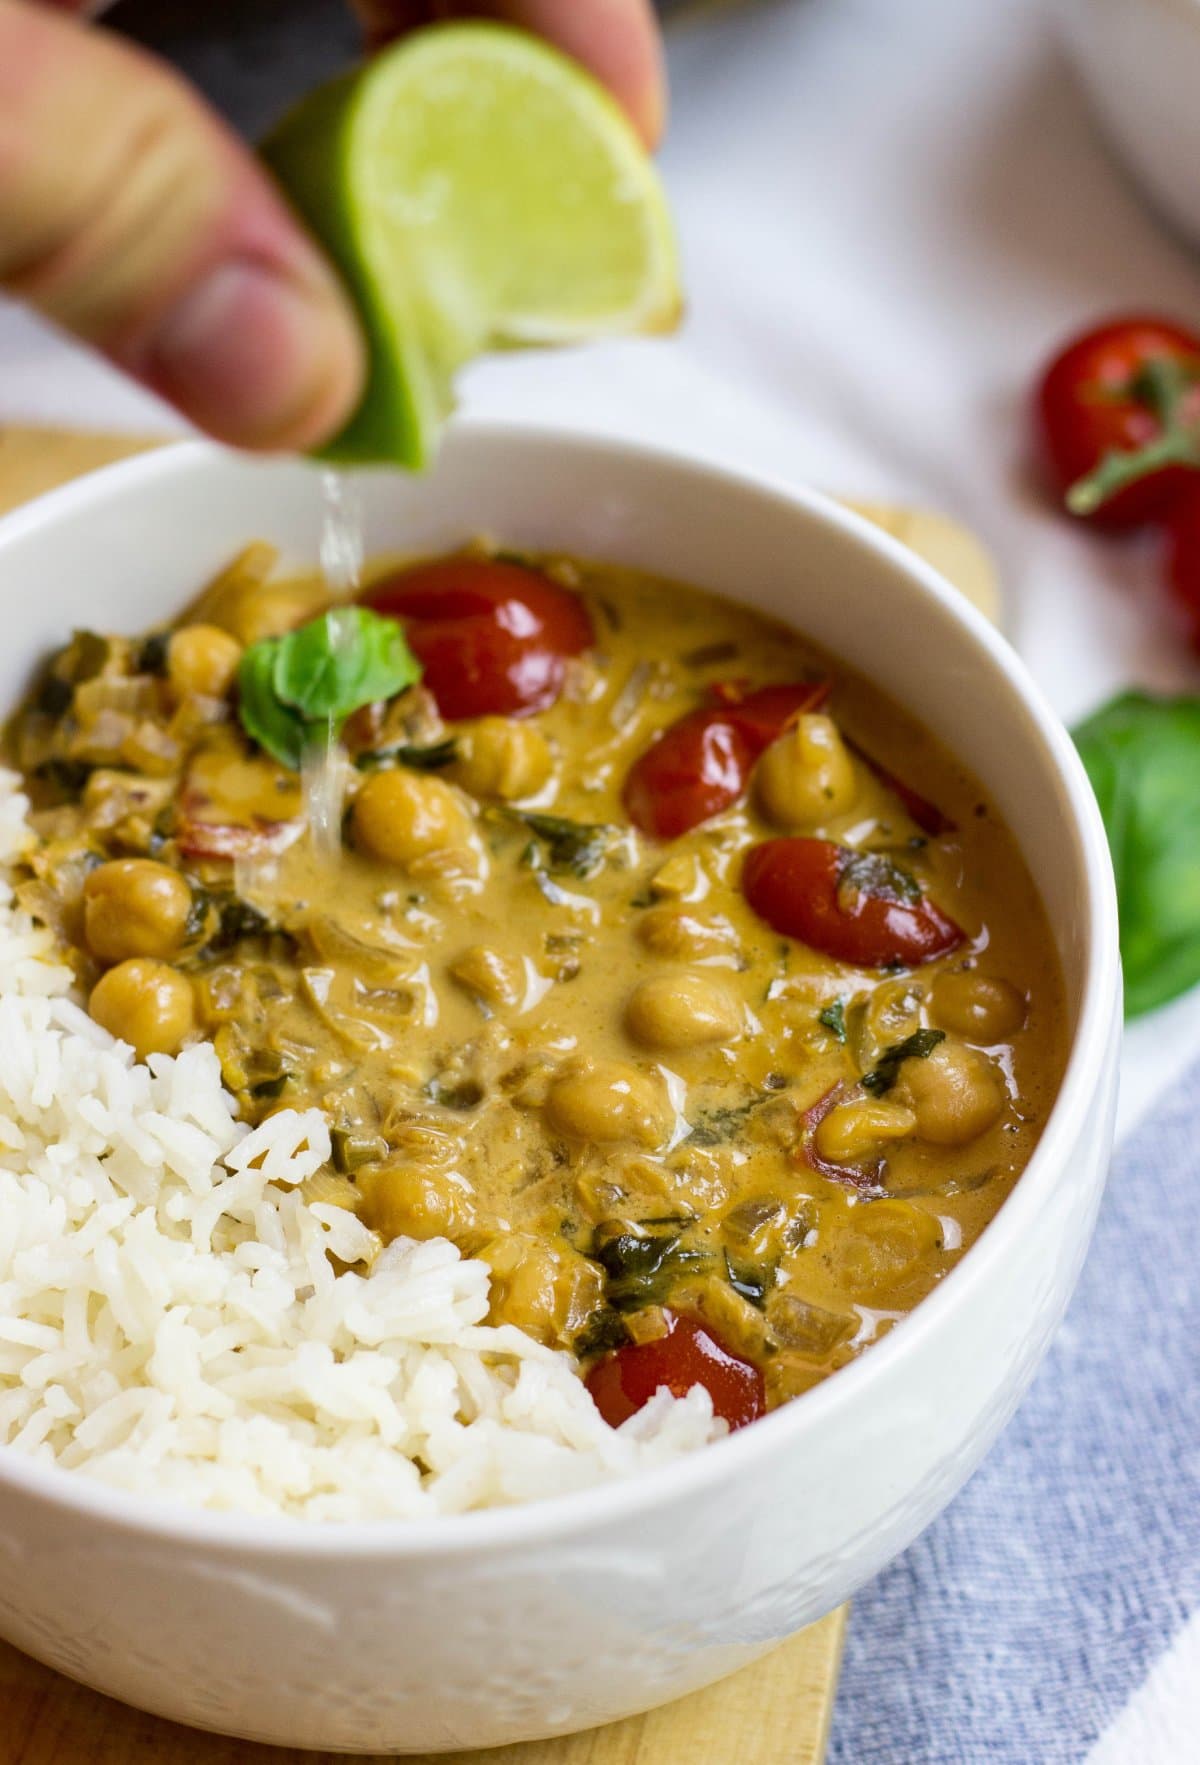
259,357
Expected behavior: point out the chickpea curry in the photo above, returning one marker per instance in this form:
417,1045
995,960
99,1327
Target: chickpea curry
624,939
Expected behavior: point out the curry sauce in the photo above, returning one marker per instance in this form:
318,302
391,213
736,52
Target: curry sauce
573,1047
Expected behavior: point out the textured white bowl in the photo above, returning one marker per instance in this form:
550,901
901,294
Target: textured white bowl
502,1626
1140,61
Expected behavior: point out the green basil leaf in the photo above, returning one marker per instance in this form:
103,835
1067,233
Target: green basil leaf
1142,755
273,725
345,658
292,689
883,1075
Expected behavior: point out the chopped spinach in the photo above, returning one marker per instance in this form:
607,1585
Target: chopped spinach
53,696
84,657
603,1332
428,759
268,1088
641,1270
886,1071
834,1019
65,776
713,1127
225,918
152,653
750,1283
454,1093
574,848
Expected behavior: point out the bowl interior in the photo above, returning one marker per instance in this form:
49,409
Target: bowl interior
130,546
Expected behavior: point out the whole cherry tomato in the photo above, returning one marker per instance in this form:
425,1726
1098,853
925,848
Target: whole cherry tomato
1118,416
701,764
1183,560
492,637
856,907
689,1354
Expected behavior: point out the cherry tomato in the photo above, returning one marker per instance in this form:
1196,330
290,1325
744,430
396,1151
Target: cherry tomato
701,764
689,1354
1118,417
493,638
855,907
1183,561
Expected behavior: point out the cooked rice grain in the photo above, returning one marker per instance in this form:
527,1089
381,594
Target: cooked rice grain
171,1323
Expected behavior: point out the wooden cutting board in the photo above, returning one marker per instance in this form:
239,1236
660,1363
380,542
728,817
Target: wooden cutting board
776,1712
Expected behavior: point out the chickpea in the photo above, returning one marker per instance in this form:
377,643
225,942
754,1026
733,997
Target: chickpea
861,1129
955,1093
881,1259
135,907
605,1101
147,1004
681,1011
807,776
202,659
548,1290
980,1007
503,758
401,817
402,1200
671,931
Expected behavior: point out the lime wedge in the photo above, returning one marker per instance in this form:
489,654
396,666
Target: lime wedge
478,191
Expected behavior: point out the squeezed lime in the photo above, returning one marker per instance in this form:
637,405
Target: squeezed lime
478,191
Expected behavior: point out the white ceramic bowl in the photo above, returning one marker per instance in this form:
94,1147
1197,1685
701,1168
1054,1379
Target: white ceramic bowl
1140,62
495,1627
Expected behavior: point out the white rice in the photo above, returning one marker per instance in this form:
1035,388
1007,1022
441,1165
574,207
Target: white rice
170,1321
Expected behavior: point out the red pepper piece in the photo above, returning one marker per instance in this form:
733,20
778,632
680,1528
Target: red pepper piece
689,1354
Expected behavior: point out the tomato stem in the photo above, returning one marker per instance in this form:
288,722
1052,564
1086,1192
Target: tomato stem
1161,385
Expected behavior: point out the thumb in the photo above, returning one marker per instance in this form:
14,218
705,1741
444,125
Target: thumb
132,217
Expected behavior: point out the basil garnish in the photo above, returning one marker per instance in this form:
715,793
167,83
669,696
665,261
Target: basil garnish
886,1070
303,685
1142,755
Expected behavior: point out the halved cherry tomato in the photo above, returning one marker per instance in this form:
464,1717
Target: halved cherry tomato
1118,418
492,637
856,907
1183,561
701,764
689,1354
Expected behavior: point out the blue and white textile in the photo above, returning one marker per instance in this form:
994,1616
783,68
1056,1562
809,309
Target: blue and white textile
1052,1615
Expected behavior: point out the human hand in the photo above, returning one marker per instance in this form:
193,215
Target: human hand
133,217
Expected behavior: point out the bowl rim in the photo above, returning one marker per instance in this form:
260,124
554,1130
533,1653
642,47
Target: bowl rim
233,1532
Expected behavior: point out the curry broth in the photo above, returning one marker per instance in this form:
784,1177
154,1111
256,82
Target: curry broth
497,1029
